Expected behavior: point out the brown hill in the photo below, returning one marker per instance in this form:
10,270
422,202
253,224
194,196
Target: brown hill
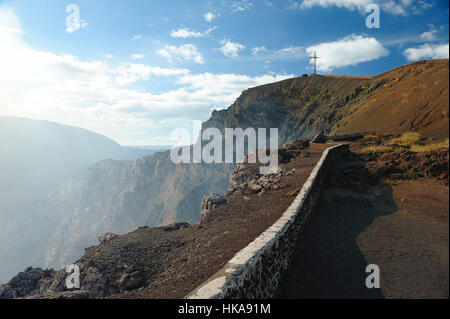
413,97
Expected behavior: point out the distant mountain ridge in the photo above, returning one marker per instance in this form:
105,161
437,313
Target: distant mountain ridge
36,157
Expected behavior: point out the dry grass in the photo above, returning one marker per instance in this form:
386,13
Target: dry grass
407,139
377,149
370,137
410,139
430,147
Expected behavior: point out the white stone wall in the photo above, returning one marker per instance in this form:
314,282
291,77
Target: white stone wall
254,272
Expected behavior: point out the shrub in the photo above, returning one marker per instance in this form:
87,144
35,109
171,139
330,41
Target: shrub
370,137
377,149
407,139
430,147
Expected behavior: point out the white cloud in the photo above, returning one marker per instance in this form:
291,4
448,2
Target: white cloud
137,37
258,50
9,21
395,7
209,16
429,35
292,50
427,51
109,56
185,52
137,56
98,96
231,49
420,6
186,33
227,82
351,50
127,73
239,6
348,4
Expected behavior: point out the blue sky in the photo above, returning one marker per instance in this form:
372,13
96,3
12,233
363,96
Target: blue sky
135,70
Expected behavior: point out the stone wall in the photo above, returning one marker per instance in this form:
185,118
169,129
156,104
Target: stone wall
254,272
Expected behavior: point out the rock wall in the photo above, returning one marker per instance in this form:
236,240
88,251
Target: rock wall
254,272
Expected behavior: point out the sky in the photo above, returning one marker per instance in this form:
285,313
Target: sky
135,71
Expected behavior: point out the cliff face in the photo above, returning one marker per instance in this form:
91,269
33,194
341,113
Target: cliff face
120,196
299,107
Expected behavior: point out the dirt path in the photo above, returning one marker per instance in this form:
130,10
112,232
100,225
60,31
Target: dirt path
403,229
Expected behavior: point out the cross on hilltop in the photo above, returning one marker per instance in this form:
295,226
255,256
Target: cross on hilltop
315,57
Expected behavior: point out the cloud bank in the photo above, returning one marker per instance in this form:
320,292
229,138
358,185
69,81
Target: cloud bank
427,51
399,7
103,97
351,50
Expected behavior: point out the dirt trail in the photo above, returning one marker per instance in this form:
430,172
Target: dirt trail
402,228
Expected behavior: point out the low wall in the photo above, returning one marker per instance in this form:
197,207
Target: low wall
254,272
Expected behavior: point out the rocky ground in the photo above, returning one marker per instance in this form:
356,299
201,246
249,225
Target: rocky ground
383,208
402,163
169,262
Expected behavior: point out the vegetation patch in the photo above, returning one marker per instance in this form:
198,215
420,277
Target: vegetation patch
377,149
370,137
407,139
430,147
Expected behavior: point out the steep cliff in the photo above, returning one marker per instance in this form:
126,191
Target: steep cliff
120,196
299,107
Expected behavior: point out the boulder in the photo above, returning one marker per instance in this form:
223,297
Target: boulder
176,226
254,187
106,237
243,174
93,281
203,215
30,282
130,281
212,201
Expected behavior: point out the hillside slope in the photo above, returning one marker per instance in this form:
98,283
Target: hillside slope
413,97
